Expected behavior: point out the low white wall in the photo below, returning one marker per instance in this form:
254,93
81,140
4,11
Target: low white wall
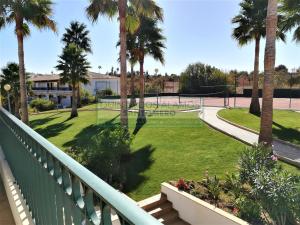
196,211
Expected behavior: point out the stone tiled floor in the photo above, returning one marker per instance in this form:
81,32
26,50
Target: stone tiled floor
6,217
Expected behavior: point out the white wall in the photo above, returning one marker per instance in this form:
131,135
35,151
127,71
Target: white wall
102,84
196,211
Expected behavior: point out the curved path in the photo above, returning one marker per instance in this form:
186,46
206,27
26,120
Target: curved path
285,151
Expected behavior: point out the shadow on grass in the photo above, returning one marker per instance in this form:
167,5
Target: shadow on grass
286,134
37,122
84,136
140,161
139,124
53,130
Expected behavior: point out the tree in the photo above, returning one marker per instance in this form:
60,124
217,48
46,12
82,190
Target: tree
74,70
251,25
23,13
198,75
291,9
10,75
148,40
78,34
265,135
110,8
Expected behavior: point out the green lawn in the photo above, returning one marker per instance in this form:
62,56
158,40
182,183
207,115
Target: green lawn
166,148
286,124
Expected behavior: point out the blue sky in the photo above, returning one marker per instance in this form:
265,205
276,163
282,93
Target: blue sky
196,31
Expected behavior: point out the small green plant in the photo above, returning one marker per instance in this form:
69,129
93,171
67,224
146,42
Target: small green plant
41,104
214,188
249,210
232,184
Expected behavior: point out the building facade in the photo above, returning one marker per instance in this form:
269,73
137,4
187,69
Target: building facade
50,87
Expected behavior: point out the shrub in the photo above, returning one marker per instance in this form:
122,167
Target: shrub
105,153
105,92
278,192
86,97
41,104
253,159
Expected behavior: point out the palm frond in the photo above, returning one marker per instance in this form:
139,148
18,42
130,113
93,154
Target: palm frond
107,8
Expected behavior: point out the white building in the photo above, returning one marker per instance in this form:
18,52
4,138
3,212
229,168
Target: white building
50,87
99,82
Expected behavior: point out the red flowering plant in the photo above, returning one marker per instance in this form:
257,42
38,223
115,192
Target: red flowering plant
182,185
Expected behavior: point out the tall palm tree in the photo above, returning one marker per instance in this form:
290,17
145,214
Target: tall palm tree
251,25
148,40
265,135
128,20
22,14
10,75
78,34
74,70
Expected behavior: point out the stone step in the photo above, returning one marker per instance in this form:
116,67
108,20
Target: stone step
169,217
161,209
152,203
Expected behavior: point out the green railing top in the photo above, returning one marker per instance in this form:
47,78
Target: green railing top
120,203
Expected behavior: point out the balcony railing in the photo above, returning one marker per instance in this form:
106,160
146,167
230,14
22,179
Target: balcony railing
57,189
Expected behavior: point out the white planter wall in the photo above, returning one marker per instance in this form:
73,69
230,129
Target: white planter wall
196,211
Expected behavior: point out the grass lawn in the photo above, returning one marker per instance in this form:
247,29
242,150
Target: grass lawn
286,124
166,148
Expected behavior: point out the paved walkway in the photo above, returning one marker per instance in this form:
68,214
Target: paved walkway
6,217
287,152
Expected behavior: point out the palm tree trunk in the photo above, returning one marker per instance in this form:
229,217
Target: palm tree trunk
265,135
23,89
255,106
17,105
141,115
78,97
123,76
74,112
132,91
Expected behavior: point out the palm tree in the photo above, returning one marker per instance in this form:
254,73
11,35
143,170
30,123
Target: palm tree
78,34
128,20
251,25
23,13
74,70
291,10
10,75
265,135
148,40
